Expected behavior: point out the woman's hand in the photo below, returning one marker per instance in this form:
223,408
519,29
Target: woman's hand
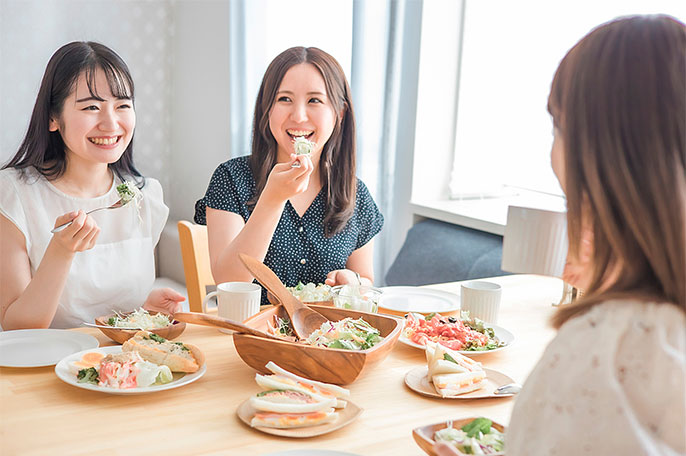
80,235
164,300
285,181
342,277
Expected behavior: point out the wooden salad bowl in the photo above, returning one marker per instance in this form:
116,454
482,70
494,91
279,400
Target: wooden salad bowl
424,436
330,365
122,335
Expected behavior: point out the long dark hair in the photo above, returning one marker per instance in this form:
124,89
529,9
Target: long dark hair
619,100
337,160
43,149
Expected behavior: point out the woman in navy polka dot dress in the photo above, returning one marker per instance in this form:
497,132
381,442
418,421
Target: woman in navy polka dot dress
308,217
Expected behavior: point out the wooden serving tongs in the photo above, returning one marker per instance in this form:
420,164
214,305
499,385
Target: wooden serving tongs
304,320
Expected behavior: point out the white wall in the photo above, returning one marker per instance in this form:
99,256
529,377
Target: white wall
200,101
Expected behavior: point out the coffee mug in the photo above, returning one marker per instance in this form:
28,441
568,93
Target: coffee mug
481,299
236,301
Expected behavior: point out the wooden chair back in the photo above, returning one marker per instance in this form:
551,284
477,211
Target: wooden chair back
195,253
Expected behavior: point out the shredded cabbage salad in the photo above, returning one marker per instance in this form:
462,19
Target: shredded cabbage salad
139,318
357,297
347,334
311,292
476,437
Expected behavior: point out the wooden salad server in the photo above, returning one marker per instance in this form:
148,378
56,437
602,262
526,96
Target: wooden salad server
198,318
304,320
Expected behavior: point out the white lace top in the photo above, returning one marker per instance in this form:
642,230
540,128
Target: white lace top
116,274
612,382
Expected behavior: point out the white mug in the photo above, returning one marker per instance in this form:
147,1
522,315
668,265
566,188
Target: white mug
236,301
535,241
481,299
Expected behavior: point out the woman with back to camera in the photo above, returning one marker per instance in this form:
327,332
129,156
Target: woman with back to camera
76,151
613,381
307,217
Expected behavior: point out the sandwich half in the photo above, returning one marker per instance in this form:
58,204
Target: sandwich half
179,357
455,384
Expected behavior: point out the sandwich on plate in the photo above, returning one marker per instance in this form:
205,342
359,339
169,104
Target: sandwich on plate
119,370
179,357
291,401
451,373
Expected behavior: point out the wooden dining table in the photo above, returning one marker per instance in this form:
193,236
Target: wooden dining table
40,414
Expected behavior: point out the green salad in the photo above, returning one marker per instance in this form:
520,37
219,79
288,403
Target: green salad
476,437
348,334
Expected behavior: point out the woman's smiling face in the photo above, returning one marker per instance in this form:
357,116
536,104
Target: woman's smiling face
95,128
301,109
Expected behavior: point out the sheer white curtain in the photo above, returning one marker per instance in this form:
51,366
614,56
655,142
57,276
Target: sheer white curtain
377,43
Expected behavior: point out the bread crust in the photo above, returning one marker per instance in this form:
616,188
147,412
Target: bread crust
163,353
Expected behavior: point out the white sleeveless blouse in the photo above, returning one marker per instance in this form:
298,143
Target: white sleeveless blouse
118,272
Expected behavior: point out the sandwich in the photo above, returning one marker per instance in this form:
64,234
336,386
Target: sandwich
451,372
291,401
443,360
287,380
455,384
179,357
292,420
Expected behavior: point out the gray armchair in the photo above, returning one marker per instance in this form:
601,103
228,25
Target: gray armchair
436,252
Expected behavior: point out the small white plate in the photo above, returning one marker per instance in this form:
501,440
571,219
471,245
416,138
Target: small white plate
501,333
63,372
401,300
41,347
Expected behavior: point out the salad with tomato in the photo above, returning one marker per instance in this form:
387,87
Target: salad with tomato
462,334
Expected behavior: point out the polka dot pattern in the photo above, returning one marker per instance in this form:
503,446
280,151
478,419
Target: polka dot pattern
299,251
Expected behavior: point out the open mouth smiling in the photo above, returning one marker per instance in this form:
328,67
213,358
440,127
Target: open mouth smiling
307,134
105,140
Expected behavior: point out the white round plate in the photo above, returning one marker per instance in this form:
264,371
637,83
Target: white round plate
417,299
41,347
501,333
63,372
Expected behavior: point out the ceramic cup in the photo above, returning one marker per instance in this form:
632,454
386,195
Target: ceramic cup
236,301
482,300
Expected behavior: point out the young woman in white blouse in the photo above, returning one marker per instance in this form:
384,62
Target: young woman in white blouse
613,381
76,151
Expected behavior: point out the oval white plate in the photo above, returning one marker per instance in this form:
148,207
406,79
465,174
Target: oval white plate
417,299
501,333
41,347
180,379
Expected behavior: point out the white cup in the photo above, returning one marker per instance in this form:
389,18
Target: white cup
535,241
236,301
482,300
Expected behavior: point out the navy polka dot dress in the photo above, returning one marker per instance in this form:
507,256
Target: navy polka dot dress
299,251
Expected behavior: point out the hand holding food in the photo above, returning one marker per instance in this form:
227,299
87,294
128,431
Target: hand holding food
302,146
291,401
80,235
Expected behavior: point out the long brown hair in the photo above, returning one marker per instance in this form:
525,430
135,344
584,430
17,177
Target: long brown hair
337,160
619,101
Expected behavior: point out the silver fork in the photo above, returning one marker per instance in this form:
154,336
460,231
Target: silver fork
116,205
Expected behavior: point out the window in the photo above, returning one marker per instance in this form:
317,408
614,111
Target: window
509,54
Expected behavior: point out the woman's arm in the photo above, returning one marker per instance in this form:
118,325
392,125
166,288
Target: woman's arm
361,261
31,302
228,235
